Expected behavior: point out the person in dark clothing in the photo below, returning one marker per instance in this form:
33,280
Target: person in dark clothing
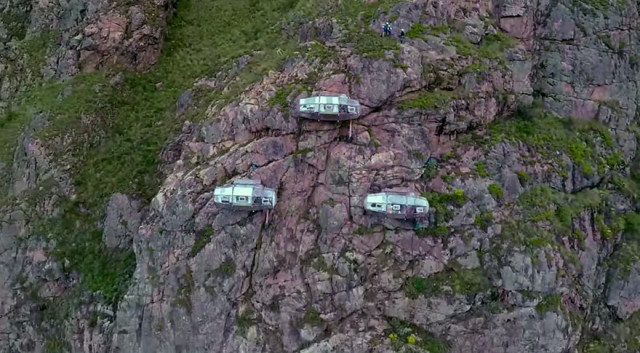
402,35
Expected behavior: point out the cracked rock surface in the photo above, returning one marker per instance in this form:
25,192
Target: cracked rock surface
500,266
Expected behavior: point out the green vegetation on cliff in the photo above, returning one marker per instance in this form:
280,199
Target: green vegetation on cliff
110,135
589,144
136,120
618,337
463,281
403,335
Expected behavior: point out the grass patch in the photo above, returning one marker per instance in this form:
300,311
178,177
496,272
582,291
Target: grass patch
183,295
543,204
15,22
483,220
55,346
117,151
600,6
620,336
370,44
226,269
79,242
444,203
481,169
35,49
302,152
320,51
313,318
281,98
244,321
523,177
549,303
463,46
202,239
628,251
417,30
492,46
429,100
544,217
589,144
496,191
11,123
439,30
476,67
461,281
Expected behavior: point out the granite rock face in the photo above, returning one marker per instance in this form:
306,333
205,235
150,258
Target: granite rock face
44,39
500,266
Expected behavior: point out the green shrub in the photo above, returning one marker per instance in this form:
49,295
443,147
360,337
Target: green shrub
588,144
496,190
244,321
484,220
524,177
54,346
370,44
481,169
549,303
463,46
439,30
442,202
632,226
417,30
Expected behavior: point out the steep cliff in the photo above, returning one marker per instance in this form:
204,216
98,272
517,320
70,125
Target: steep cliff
111,240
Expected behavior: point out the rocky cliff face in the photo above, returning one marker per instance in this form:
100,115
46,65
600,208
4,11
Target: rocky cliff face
60,39
532,244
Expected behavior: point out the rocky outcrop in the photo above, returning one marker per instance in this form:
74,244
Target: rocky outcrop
58,40
103,32
624,295
321,272
121,222
524,212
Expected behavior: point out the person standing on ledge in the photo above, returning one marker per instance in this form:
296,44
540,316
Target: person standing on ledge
386,29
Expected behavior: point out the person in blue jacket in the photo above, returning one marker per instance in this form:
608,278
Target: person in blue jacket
386,29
